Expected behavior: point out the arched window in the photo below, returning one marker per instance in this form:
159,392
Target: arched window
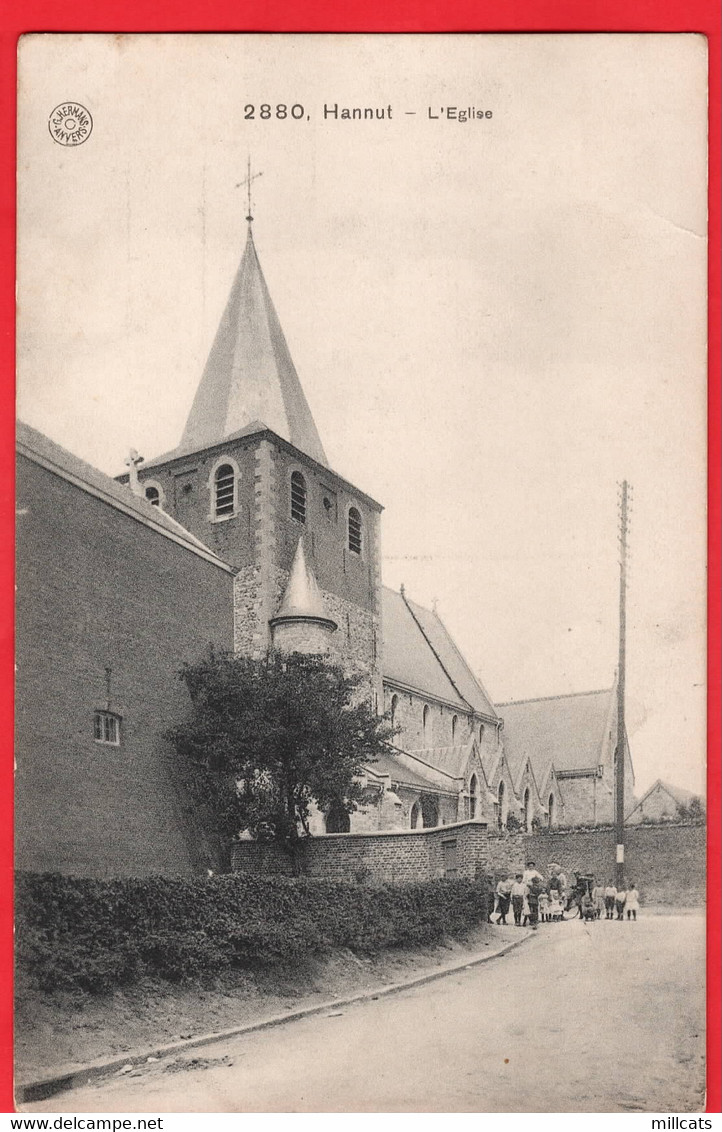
153,493
355,533
394,709
454,726
501,815
474,797
481,732
551,809
425,721
298,497
416,815
527,809
224,490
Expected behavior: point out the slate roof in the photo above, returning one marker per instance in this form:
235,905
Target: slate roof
250,375
453,662
404,775
407,656
419,653
567,731
39,448
452,760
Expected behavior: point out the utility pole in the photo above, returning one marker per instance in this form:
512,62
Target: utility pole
621,681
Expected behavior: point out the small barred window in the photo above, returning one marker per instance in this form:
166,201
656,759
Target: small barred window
225,490
106,728
298,497
153,496
354,531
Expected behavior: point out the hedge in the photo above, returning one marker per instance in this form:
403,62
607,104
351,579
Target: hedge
97,935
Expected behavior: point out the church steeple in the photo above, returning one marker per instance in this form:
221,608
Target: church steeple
249,376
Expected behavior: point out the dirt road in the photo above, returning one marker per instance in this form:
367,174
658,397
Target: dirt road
607,1017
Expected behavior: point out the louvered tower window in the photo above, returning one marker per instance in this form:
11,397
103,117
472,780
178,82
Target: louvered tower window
354,531
225,490
298,497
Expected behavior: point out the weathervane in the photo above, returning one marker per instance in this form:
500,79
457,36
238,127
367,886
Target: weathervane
247,180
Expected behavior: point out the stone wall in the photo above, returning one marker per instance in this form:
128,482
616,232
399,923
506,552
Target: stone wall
393,857
667,862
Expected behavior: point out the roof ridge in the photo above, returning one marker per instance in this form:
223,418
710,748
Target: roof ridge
464,661
558,696
462,697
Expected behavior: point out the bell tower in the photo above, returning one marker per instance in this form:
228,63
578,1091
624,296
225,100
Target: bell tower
250,479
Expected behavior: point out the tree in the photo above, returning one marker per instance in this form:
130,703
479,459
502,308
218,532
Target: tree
696,809
266,738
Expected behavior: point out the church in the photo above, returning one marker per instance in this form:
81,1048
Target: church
244,538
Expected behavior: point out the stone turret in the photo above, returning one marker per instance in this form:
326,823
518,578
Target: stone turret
302,624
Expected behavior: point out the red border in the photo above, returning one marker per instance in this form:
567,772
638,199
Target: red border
355,16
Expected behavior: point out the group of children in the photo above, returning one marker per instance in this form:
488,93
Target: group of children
532,900
610,902
619,900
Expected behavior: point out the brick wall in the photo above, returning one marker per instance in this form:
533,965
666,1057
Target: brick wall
96,589
666,861
394,857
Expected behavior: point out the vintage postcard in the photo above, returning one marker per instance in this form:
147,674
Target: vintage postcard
361,573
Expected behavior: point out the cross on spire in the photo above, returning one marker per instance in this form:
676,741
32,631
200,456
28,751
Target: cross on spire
247,181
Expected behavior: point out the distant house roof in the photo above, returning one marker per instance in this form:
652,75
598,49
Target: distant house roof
567,731
45,452
420,654
677,794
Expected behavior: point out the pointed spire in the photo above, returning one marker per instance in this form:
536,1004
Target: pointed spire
301,624
302,597
249,376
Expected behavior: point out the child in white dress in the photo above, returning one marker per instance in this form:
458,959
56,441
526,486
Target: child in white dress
632,903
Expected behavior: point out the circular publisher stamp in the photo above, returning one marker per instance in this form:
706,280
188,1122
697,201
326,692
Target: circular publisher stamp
70,124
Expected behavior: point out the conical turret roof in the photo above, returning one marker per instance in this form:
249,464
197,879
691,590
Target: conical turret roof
303,597
250,376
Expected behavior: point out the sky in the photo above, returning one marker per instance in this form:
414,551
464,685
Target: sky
495,321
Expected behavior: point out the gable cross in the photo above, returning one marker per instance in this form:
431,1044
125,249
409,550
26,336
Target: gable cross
132,463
